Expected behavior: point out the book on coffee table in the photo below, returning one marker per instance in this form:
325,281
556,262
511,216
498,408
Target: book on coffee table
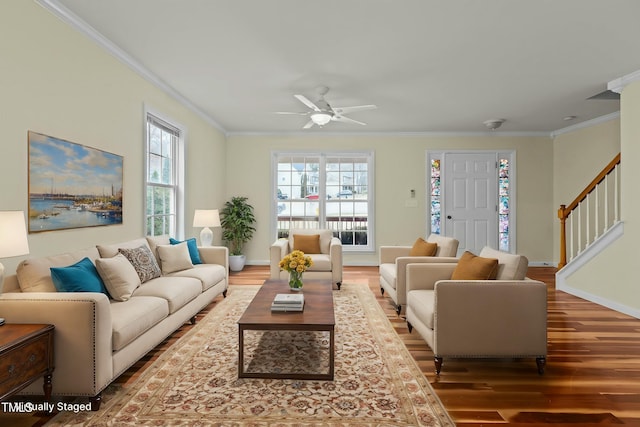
288,302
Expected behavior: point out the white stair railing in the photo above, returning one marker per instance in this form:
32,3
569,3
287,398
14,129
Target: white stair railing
591,214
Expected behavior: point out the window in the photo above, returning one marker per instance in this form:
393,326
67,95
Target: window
435,196
503,203
329,190
163,156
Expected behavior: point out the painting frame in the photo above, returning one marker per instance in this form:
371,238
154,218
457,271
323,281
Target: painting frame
72,185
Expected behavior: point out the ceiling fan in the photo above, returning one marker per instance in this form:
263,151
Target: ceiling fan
322,113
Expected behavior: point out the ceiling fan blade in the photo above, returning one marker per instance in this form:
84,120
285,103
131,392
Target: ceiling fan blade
346,110
344,119
306,102
289,112
308,125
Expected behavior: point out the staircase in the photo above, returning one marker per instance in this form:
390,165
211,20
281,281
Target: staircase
591,222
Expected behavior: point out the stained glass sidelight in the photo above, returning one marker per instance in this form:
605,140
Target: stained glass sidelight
435,196
503,207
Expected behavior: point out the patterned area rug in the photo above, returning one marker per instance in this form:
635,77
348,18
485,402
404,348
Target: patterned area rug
377,382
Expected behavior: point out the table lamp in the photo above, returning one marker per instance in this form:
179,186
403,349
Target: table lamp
206,219
13,238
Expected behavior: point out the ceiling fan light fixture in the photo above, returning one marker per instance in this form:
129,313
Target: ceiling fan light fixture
321,118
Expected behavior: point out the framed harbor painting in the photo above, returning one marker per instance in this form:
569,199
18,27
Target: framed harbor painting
72,185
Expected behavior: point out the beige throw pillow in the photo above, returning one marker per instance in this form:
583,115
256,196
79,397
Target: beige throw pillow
119,276
423,248
472,267
174,257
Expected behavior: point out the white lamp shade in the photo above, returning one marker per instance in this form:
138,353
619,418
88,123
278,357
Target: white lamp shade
206,218
13,234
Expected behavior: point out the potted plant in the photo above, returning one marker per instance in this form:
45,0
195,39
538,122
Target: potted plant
237,219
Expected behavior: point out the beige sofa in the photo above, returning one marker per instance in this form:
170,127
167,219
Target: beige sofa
98,338
327,264
394,260
501,318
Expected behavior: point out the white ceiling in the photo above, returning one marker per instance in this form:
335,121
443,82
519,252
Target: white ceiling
429,65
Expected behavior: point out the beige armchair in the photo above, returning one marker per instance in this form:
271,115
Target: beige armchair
327,257
501,318
394,260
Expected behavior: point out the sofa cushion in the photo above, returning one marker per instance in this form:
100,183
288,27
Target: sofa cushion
177,291
422,303
423,248
309,244
388,272
79,277
447,246
192,245
108,251
510,266
321,262
143,261
472,267
119,276
133,317
208,274
34,274
155,241
174,257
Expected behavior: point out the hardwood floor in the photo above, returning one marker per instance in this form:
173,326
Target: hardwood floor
592,375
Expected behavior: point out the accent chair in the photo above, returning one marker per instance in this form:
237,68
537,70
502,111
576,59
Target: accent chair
394,260
324,249
505,317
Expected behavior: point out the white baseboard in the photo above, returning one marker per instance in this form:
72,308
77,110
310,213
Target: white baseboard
599,245
542,264
346,264
613,305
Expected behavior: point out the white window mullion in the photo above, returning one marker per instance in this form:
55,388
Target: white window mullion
324,202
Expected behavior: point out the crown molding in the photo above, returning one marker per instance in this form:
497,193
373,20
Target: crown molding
87,30
586,124
618,84
391,134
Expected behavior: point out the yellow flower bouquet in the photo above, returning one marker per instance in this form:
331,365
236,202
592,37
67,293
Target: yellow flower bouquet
296,263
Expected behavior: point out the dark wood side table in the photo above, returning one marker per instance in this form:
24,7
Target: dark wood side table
26,354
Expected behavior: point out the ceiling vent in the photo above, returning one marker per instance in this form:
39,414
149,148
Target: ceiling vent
607,94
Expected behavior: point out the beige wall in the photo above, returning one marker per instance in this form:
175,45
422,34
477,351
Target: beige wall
611,278
55,81
400,165
578,156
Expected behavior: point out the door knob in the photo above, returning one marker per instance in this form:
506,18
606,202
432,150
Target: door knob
448,216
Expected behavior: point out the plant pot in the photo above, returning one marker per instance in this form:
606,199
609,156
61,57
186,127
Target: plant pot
236,262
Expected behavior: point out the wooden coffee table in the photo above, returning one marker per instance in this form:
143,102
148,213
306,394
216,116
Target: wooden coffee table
317,316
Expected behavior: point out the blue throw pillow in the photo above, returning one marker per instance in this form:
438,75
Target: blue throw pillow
193,249
79,277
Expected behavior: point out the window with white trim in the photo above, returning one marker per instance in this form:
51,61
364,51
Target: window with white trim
162,187
331,190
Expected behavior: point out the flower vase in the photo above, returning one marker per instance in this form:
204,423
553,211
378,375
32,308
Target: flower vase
295,281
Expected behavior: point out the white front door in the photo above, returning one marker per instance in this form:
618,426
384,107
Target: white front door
470,190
